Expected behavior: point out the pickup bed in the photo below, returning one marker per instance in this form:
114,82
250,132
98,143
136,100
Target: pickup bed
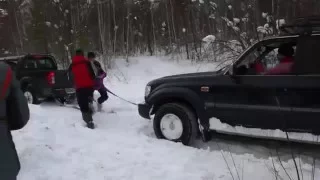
40,78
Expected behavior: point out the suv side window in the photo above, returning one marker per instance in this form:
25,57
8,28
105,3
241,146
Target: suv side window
250,58
264,57
244,67
271,59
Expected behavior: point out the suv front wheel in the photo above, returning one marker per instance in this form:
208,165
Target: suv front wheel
175,122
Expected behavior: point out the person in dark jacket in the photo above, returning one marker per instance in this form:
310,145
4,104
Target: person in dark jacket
99,86
83,76
14,115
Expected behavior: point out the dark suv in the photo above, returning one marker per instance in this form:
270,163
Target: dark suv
239,100
40,78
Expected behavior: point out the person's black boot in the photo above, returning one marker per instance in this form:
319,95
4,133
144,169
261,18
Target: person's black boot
87,117
90,125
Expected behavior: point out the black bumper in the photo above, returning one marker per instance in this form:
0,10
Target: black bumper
63,92
144,110
55,92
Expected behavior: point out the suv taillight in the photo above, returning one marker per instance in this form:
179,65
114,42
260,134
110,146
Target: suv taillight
51,78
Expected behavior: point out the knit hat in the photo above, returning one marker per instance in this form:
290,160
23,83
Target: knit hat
79,52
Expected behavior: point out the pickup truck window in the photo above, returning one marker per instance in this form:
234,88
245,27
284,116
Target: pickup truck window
39,63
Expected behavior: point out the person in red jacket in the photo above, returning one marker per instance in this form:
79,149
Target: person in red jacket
83,75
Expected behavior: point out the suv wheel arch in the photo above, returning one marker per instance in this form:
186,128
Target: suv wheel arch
176,122
179,95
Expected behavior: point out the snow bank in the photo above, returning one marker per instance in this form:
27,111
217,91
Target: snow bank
216,124
55,145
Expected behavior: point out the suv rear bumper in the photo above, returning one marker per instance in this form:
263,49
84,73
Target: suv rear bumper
56,92
144,110
63,92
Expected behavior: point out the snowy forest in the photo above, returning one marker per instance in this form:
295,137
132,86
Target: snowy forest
127,28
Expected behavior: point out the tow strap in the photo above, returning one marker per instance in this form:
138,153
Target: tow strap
122,98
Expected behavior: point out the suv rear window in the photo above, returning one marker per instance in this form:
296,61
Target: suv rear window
40,63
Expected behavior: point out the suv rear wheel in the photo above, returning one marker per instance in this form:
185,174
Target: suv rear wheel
175,122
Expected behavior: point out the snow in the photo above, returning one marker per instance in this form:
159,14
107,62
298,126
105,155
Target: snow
236,20
212,16
245,19
55,144
213,5
264,15
209,39
3,12
280,22
216,124
48,23
235,28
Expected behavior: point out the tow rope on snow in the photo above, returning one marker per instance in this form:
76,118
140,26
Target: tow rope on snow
135,104
122,98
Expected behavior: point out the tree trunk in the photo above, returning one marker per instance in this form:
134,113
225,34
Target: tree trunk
153,29
168,26
128,32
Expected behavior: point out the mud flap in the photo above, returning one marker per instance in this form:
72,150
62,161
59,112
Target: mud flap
205,132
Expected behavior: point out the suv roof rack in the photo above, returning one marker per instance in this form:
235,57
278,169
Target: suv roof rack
302,26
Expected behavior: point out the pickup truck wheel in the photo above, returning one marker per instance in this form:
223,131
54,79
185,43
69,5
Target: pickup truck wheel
30,96
175,122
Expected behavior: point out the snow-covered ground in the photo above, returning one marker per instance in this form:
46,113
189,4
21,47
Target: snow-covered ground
55,145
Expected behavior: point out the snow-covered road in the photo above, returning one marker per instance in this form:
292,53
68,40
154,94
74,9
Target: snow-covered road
55,145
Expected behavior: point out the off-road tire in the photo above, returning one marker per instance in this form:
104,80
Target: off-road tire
187,117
